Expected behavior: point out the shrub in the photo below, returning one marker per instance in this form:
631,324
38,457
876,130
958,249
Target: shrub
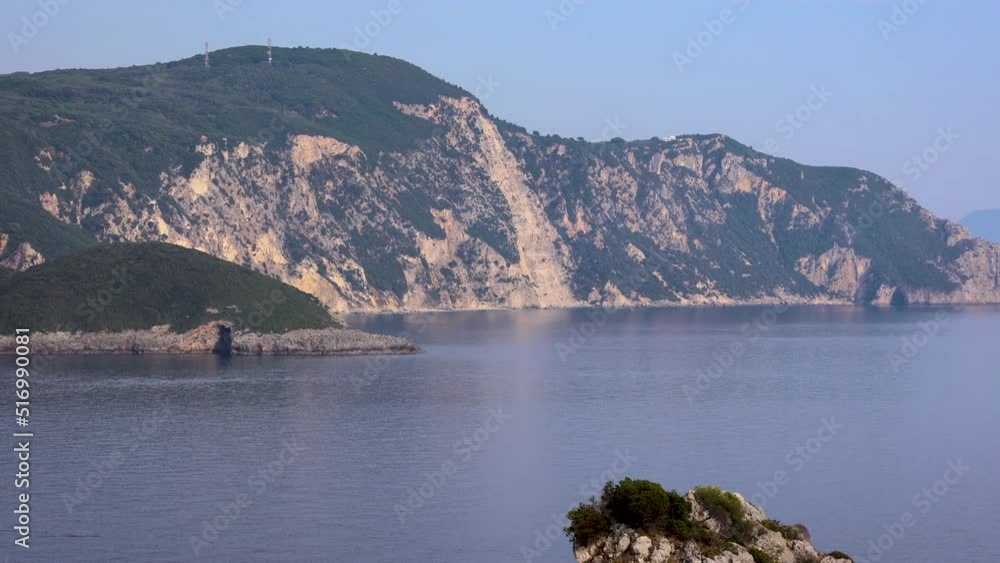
761,557
722,506
638,504
792,533
788,532
720,503
711,544
840,555
587,524
644,505
772,525
681,529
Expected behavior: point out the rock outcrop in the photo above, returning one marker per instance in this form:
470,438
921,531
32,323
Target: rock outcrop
18,256
760,540
217,338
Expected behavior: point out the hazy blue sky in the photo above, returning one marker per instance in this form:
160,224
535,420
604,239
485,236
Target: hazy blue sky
596,68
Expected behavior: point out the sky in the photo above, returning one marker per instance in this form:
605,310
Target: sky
903,88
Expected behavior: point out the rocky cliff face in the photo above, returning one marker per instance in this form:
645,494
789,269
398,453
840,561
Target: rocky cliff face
482,214
18,256
768,541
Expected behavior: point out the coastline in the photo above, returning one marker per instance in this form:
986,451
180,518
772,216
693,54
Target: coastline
216,338
675,305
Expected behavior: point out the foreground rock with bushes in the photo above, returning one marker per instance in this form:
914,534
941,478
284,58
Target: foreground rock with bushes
638,521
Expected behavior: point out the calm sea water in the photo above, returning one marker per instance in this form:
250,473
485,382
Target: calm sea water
473,451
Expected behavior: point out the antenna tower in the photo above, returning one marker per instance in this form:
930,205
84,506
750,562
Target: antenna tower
268,50
206,54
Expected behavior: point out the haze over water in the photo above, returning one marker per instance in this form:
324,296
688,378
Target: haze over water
529,417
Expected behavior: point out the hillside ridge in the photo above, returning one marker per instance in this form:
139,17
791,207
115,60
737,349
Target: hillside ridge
374,186
144,285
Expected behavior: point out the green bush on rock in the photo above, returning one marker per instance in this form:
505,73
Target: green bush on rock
761,557
587,524
787,532
723,506
644,505
635,503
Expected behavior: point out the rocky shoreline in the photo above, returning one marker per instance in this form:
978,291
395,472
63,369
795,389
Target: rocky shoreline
216,338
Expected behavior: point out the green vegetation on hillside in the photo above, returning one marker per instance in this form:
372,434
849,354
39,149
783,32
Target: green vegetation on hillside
129,125
25,222
887,229
135,127
140,285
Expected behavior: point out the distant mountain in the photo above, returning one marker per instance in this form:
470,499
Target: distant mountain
141,285
984,223
373,185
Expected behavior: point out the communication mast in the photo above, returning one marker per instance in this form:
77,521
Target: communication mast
268,50
206,54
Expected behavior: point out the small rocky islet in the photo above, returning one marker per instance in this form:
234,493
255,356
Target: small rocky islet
638,521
